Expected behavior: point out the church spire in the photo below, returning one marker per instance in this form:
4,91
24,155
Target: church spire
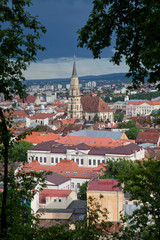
74,72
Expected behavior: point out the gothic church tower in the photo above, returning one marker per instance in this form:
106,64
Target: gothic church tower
74,109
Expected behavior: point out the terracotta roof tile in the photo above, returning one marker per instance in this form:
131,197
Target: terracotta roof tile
42,116
147,137
38,137
141,102
103,185
29,99
66,168
94,104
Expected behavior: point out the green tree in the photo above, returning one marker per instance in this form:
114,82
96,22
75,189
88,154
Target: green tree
118,117
132,133
121,125
117,167
83,191
19,35
18,151
142,183
130,124
96,118
135,26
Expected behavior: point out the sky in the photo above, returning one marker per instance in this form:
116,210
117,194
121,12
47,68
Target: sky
62,19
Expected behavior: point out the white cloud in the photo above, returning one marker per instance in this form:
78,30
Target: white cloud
62,68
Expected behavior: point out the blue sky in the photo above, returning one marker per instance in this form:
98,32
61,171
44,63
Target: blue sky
62,19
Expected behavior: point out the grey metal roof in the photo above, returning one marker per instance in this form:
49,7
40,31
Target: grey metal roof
77,204
96,133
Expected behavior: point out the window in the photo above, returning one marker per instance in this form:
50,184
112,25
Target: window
82,161
37,158
93,174
74,173
84,173
98,162
40,159
90,163
94,162
72,185
44,159
67,173
60,159
78,185
103,161
60,200
56,160
52,160
77,160
55,200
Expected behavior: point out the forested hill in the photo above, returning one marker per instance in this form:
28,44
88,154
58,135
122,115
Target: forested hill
107,79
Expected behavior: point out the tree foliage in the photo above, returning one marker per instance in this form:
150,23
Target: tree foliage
83,191
117,167
96,118
18,151
136,28
133,129
19,35
142,183
132,133
118,117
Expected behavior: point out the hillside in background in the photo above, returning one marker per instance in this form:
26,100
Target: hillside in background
100,79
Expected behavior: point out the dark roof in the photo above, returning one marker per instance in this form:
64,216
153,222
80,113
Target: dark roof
56,178
55,147
77,204
45,146
125,149
81,146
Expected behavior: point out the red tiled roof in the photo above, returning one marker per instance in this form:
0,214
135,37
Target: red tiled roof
103,185
94,104
147,137
18,114
93,141
67,168
52,193
38,137
29,99
68,121
42,116
141,102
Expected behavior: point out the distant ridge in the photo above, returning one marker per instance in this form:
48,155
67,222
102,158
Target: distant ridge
110,78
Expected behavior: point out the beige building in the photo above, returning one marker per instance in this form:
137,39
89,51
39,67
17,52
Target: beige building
112,200
142,108
86,107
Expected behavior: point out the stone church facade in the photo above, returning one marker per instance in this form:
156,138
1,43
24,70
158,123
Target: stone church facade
86,106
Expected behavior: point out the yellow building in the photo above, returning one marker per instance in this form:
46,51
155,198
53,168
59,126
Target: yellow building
112,200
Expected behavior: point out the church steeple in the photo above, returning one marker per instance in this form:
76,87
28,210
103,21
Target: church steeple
74,109
74,72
